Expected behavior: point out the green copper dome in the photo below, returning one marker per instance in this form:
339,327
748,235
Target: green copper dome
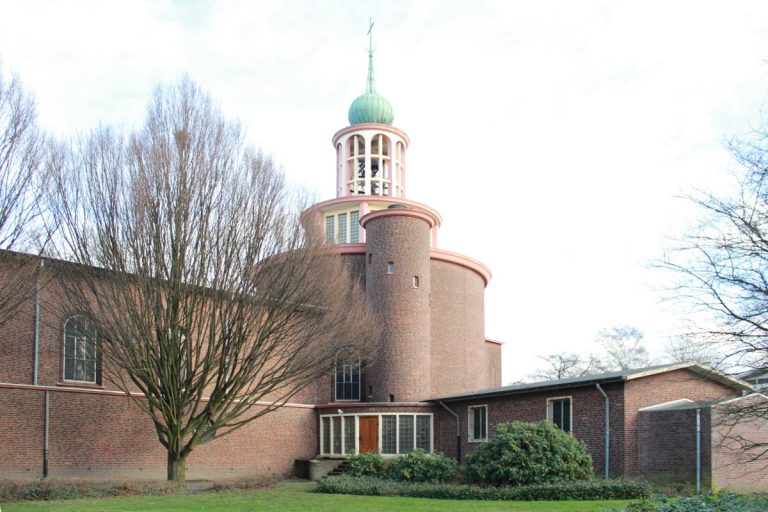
371,108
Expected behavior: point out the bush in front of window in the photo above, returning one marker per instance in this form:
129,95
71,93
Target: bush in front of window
529,453
365,464
420,466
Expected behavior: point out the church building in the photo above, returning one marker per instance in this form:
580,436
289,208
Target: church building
434,384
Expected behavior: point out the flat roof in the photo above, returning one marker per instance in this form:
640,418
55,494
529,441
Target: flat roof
600,378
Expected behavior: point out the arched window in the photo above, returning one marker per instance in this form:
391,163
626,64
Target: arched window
80,350
347,378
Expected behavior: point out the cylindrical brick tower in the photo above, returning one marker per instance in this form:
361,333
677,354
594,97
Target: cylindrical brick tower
397,280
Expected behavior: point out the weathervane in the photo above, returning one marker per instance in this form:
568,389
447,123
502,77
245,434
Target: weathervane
370,87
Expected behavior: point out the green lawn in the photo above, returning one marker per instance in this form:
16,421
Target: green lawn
297,497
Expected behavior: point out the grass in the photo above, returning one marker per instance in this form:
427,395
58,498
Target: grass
290,496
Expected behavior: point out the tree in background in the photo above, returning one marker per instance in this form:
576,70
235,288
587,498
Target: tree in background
565,365
208,296
22,156
623,348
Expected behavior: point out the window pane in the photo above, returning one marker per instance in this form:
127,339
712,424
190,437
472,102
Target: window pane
406,434
354,227
388,432
567,415
478,423
326,444
424,433
329,233
342,235
349,434
337,434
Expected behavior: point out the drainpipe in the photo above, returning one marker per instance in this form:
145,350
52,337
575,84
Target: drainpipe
45,427
37,327
458,431
698,451
607,429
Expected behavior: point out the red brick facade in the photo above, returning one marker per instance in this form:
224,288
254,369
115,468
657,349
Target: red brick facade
628,455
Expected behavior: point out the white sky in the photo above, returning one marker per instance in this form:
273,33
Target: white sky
552,137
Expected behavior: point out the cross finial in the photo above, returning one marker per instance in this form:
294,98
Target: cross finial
370,88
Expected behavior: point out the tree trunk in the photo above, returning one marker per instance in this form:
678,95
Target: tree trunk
177,468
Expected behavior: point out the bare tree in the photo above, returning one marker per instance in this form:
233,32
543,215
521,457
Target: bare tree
722,265
566,365
721,271
209,297
623,348
22,151
684,349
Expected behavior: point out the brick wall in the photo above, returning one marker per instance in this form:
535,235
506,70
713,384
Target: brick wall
660,388
95,434
667,446
588,408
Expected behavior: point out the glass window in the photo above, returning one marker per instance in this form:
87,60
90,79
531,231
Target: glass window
406,434
354,227
559,412
79,350
329,229
347,379
388,433
337,434
478,423
424,433
342,235
349,434
326,439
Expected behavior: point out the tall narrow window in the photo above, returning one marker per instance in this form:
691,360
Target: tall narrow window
406,434
80,357
389,435
478,423
330,236
354,227
559,412
424,433
347,379
391,267
326,437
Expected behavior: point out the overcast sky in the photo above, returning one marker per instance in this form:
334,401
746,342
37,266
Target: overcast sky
553,137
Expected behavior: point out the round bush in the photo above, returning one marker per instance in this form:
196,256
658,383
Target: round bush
420,466
529,453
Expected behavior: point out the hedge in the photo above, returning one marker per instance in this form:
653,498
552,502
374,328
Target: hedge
589,490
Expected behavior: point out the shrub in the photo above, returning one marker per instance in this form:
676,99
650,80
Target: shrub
45,489
526,453
709,503
420,466
365,464
591,490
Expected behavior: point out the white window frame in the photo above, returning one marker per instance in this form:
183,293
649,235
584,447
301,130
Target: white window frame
471,423
344,449
94,341
338,237
550,410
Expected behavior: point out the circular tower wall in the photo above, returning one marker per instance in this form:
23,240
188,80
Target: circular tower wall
397,288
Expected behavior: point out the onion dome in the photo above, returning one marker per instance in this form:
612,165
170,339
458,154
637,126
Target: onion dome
370,107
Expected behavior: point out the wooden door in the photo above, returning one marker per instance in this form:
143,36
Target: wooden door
369,434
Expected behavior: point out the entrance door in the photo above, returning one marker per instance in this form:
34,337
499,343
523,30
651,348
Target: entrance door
369,434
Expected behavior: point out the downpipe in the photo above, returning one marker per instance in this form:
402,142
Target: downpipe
458,430
607,429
